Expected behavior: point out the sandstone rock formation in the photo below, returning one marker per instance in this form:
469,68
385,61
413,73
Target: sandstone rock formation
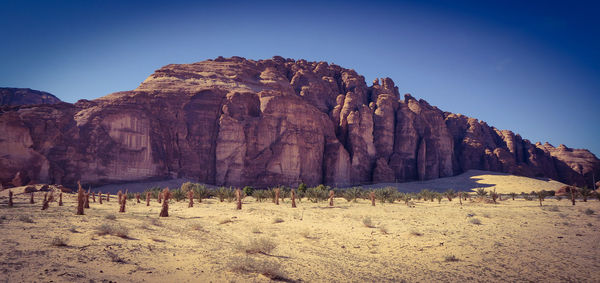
264,123
25,96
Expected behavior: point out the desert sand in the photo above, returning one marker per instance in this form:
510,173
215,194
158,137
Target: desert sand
516,240
474,179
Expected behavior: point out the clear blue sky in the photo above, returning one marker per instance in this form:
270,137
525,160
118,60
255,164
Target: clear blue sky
529,66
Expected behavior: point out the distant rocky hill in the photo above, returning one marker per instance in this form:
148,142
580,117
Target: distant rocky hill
25,96
265,123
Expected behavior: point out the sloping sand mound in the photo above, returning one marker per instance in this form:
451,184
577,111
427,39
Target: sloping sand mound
474,179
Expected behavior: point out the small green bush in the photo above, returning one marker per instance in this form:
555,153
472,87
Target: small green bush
318,193
352,194
389,194
248,190
260,195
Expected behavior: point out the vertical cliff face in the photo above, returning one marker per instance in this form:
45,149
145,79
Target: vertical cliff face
264,123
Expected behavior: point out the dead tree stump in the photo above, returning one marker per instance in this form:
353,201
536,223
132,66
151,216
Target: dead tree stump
80,200
123,202
46,201
190,196
86,203
238,195
164,212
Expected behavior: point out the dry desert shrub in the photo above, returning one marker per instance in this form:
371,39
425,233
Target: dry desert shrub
269,269
59,241
114,257
475,221
257,246
111,217
278,220
416,233
450,258
25,218
367,222
551,208
156,222
588,212
197,227
225,221
113,229
383,229
307,234
256,230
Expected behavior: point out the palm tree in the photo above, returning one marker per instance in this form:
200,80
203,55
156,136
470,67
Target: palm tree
481,192
449,194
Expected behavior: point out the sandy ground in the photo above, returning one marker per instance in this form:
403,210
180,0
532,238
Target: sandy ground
516,241
474,179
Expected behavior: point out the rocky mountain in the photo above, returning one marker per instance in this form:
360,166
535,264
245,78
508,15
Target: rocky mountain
264,123
25,96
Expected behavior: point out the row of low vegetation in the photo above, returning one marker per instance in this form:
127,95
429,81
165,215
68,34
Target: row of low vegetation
321,193
195,191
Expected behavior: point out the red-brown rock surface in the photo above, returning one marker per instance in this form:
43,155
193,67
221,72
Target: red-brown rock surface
25,96
262,123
